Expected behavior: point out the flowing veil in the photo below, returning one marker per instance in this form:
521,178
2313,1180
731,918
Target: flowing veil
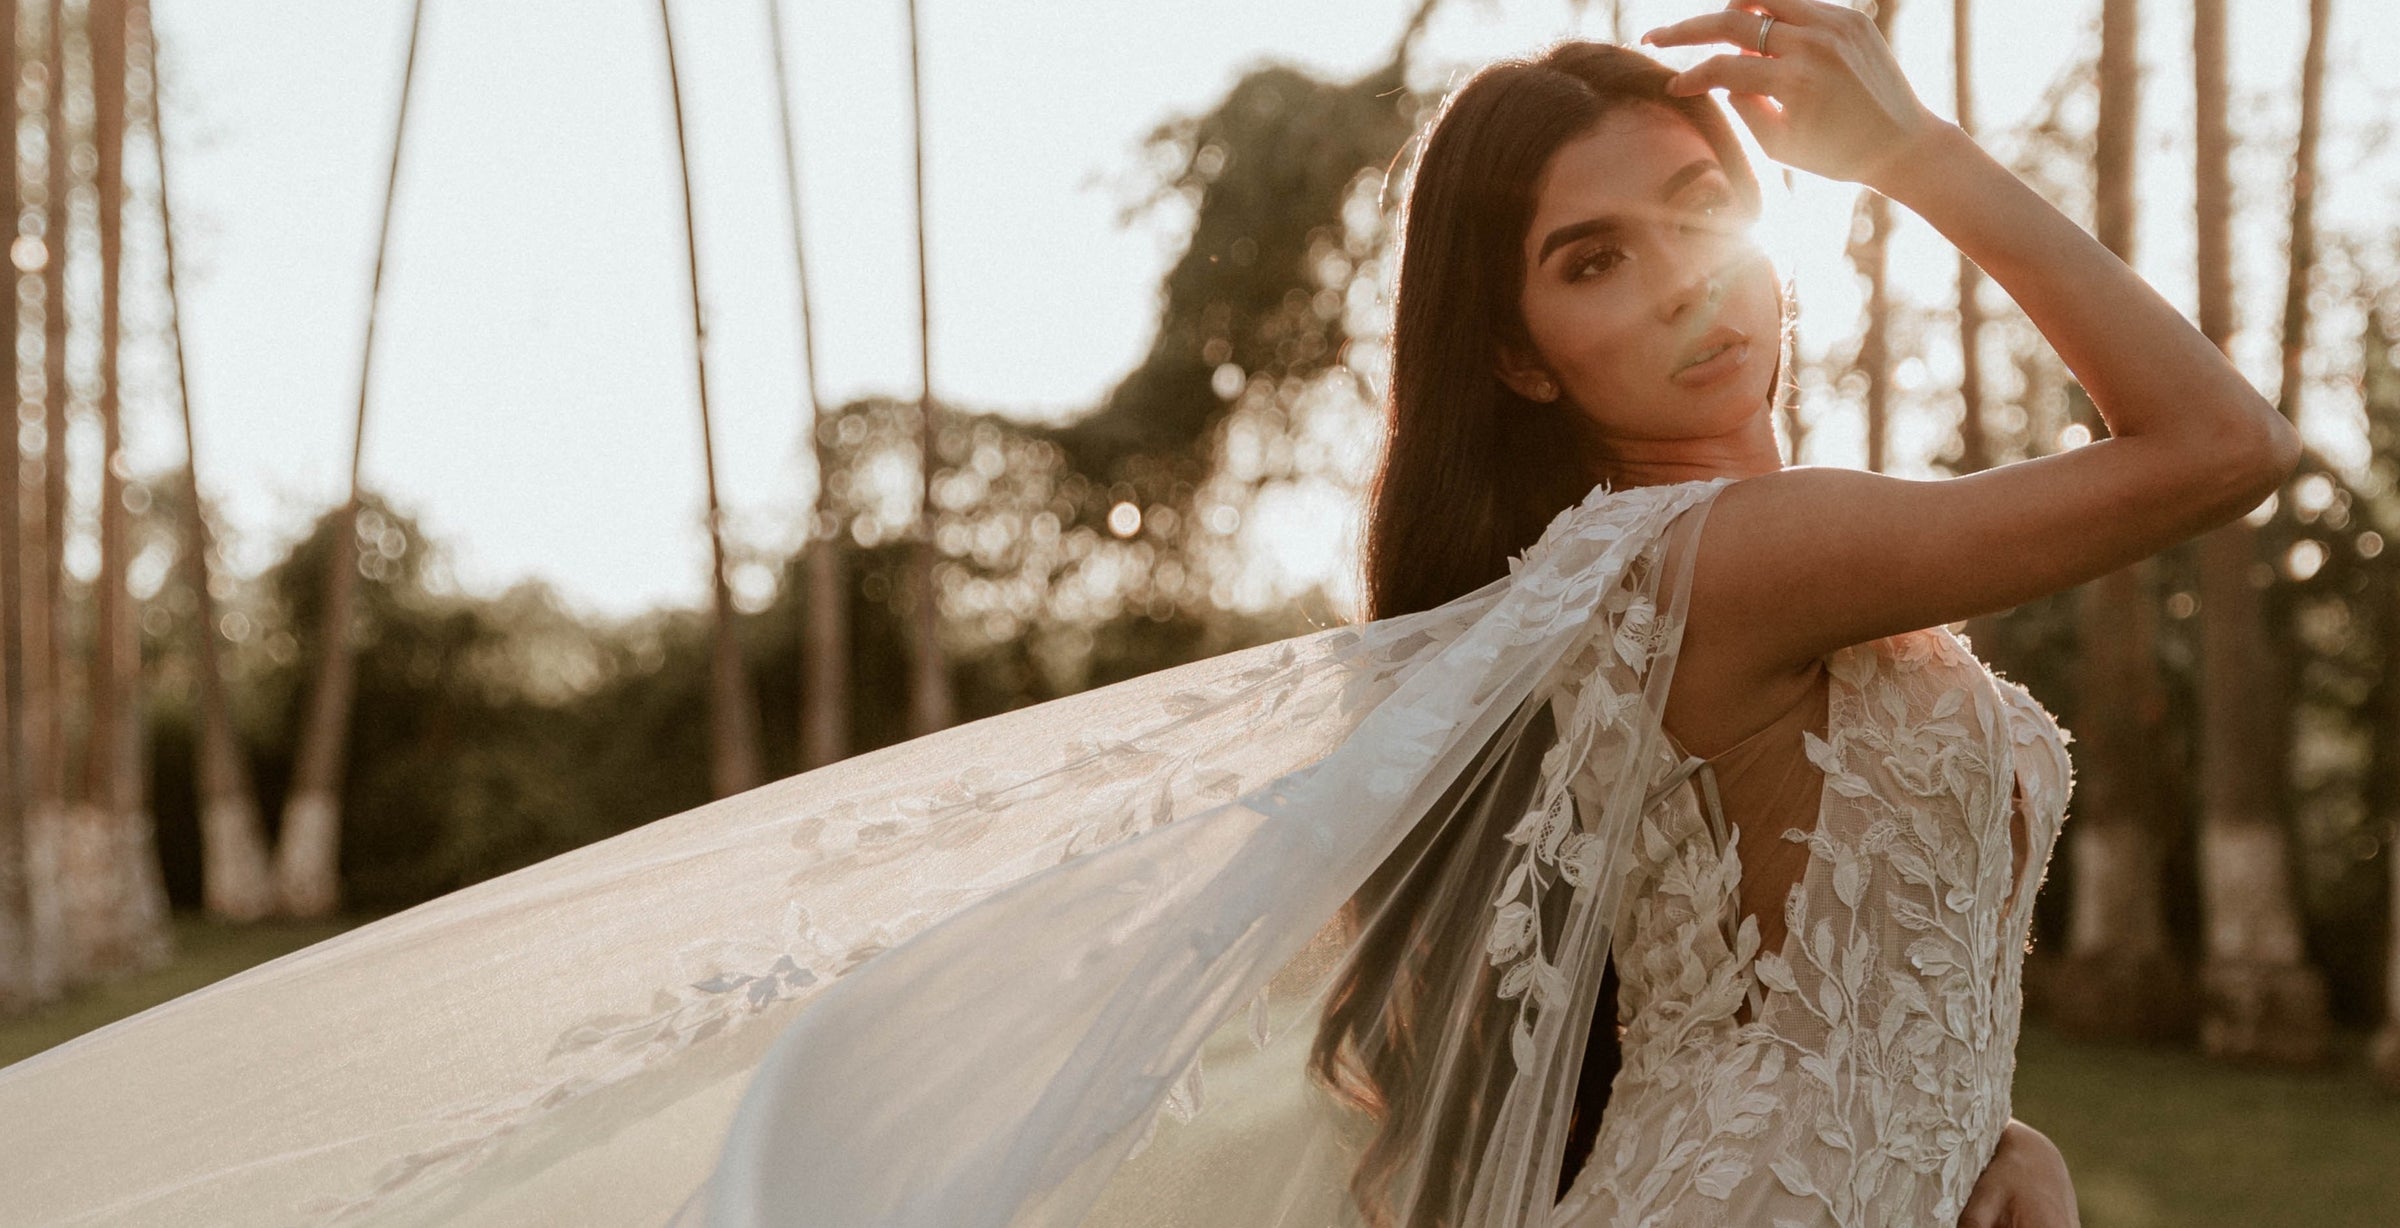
1306,934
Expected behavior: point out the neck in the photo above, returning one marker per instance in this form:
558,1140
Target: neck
1744,452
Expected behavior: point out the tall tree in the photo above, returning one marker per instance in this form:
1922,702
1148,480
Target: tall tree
825,637
104,784
1974,433
235,880
308,852
2121,976
2384,1050
733,720
2380,381
130,930
1974,442
1870,247
929,700
75,875
18,990
2259,997
41,781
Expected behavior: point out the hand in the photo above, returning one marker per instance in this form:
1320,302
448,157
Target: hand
1826,97
2025,1186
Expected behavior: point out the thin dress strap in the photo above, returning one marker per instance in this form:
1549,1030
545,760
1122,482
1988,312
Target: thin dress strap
1704,768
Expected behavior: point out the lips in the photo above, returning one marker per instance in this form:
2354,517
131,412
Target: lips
1715,340
1718,353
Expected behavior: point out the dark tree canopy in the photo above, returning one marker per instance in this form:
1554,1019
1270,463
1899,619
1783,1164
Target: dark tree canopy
1268,170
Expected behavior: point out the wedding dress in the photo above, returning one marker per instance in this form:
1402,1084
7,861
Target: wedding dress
1870,1081
1308,934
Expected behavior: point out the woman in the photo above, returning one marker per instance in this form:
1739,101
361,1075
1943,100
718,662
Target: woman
1374,876
1635,337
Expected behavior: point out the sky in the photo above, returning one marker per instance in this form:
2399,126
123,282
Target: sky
534,402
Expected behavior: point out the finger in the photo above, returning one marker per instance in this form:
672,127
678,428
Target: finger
1801,13
1742,74
1763,116
1736,26
1797,12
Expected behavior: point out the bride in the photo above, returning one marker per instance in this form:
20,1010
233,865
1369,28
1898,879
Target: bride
1614,873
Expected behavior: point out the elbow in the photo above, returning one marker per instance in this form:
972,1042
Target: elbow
2257,462
2276,454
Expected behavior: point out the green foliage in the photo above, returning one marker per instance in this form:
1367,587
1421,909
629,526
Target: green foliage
1267,173
489,734
485,735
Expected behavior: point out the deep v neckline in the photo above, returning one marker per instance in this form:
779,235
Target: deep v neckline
1702,772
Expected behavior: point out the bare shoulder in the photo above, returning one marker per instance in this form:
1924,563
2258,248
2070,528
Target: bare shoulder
1804,561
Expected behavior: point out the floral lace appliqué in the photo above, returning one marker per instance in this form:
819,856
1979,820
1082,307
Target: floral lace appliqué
1872,1080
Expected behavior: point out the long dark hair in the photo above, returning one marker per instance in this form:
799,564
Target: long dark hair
1471,475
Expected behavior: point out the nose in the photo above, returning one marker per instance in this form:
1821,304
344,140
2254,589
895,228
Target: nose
1689,272
1693,274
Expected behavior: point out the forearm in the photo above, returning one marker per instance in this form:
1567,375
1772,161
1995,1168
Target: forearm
2148,371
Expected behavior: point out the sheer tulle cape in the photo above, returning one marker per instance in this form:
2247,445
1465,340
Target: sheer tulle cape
1064,965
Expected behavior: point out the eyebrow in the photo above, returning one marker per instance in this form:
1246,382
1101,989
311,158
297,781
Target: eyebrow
1605,225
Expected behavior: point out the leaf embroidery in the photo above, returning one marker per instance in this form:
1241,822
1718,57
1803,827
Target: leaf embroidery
1872,1072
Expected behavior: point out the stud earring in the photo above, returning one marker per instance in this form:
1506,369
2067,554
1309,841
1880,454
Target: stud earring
1545,391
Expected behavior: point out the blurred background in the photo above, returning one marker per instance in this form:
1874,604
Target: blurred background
448,434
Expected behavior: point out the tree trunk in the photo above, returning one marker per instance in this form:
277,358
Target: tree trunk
930,705
825,632
2380,384
825,658
2259,997
2384,1052
18,992
1974,444
129,931
1870,246
1974,438
78,834
42,777
103,679
236,883
308,852
1873,236
2120,976
733,719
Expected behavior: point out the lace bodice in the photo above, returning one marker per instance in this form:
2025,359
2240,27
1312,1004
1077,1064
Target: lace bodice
1859,1075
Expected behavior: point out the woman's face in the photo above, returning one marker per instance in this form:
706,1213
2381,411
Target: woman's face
1648,306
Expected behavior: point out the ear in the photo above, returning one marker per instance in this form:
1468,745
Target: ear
1523,373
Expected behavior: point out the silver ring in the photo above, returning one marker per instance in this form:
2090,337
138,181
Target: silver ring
1766,23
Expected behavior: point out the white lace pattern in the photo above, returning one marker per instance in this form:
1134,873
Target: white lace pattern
1872,1082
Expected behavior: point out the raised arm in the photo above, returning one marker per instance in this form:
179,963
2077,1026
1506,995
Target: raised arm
1807,560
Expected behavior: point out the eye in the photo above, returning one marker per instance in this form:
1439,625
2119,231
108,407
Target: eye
1709,213
1596,262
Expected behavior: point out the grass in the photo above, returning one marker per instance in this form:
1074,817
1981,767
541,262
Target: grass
2154,1137
2166,1137
205,951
